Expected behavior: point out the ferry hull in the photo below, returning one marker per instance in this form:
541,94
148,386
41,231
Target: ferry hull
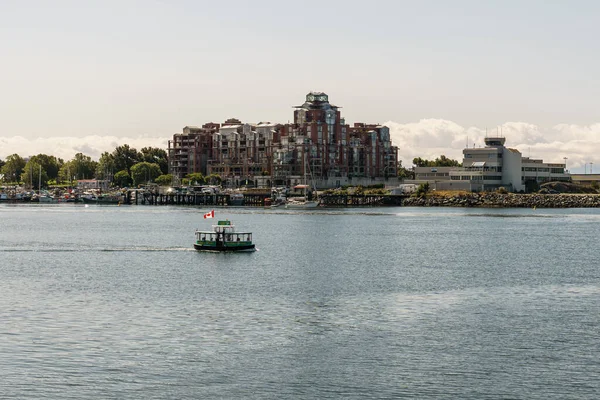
228,249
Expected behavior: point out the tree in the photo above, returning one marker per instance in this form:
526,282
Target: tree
125,157
444,161
214,179
83,166
13,168
32,173
156,156
422,190
122,178
405,173
106,166
1,163
144,172
441,161
65,173
50,164
196,178
164,180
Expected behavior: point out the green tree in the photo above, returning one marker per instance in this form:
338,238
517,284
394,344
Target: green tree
126,157
154,155
405,173
106,168
65,173
122,178
83,167
164,180
50,164
196,178
1,163
213,179
32,173
441,161
144,172
13,168
422,190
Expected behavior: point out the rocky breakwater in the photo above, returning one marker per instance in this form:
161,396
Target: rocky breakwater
505,200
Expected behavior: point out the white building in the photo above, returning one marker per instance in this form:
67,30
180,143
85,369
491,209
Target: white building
491,167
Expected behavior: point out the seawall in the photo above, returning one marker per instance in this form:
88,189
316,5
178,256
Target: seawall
505,200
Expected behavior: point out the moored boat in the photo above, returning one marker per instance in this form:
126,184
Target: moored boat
224,238
236,199
103,199
301,203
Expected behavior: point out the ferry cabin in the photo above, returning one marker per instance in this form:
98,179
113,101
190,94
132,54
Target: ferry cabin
223,234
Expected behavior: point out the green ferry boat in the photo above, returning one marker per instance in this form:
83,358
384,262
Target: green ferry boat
223,237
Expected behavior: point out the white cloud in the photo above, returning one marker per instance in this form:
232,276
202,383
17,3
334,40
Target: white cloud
66,147
427,138
430,138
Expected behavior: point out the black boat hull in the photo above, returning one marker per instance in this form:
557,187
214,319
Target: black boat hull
228,249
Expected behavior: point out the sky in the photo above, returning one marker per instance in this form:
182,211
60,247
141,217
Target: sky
86,76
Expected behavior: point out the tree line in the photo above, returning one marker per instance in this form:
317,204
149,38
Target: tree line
123,167
441,161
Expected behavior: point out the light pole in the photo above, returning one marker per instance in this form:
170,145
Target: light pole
591,164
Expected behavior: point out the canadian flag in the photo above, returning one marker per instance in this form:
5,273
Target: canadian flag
210,214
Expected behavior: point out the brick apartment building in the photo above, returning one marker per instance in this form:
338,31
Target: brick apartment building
318,141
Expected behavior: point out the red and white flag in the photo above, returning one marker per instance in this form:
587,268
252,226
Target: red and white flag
210,214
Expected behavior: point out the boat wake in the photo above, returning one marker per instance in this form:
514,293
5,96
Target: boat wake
92,250
142,248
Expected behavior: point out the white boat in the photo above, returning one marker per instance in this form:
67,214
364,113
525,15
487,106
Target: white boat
46,198
302,201
293,204
306,200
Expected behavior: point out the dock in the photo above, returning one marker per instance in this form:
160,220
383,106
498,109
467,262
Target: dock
140,197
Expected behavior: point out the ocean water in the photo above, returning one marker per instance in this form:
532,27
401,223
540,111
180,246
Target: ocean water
423,303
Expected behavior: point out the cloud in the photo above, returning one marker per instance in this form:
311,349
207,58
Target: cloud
427,138
66,147
430,138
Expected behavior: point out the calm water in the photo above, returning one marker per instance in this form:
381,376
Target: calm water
111,302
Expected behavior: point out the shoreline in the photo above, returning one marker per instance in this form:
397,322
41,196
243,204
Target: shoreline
509,200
